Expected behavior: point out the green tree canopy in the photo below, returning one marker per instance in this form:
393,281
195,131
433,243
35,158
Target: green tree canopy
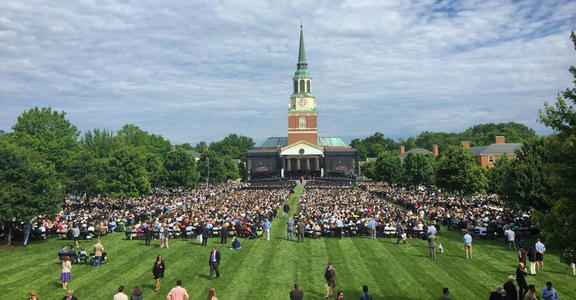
88,174
200,147
419,168
558,220
426,139
133,136
49,133
221,167
524,184
457,171
127,173
484,134
388,167
186,146
498,174
179,170
234,146
30,186
100,142
373,145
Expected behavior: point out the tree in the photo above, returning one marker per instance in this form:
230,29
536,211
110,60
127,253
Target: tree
524,185
153,147
100,142
179,170
127,173
221,167
30,186
373,145
484,134
558,219
234,146
419,168
388,167
49,133
457,171
369,169
133,136
88,174
185,146
200,147
426,139
408,144
498,174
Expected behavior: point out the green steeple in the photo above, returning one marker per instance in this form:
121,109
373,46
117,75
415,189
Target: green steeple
302,70
302,52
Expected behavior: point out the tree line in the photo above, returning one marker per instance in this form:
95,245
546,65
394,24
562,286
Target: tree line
45,157
478,135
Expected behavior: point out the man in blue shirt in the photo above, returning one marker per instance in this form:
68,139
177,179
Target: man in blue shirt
549,293
372,226
468,245
289,229
267,226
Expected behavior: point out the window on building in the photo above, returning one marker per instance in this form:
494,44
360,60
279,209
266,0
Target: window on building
295,86
302,122
302,90
491,158
307,86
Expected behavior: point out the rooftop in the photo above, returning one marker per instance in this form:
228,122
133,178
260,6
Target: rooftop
508,148
322,141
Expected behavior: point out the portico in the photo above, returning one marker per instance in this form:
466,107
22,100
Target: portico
302,159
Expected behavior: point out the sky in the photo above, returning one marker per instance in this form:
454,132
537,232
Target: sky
200,70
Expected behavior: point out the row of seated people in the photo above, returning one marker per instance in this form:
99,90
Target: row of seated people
188,231
318,229
329,184
81,256
483,214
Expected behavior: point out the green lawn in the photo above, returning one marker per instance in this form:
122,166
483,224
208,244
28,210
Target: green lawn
267,270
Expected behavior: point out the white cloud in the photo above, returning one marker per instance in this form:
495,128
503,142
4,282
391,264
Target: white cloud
196,71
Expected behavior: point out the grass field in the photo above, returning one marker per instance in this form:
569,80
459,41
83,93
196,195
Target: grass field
267,269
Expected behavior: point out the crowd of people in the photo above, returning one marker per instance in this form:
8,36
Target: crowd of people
326,209
481,214
235,207
338,212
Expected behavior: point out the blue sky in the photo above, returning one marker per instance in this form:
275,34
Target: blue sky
199,70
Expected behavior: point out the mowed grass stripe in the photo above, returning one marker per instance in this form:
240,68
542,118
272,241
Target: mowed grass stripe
269,257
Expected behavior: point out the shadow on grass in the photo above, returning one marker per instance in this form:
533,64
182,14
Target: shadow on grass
202,275
148,286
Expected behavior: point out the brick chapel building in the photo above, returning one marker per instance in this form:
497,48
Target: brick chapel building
302,153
